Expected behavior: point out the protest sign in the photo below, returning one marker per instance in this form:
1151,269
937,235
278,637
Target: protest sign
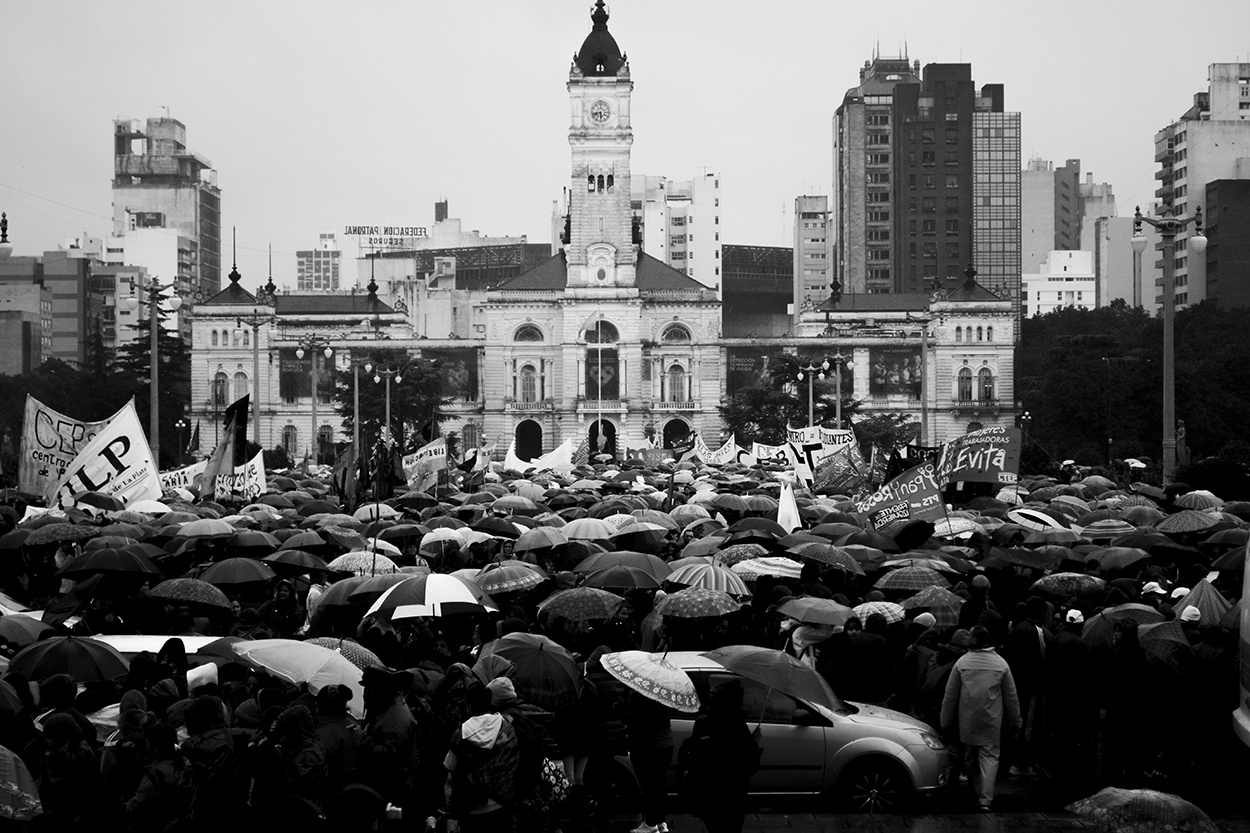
990,455
842,470
246,481
421,467
915,491
116,462
183,478
50,442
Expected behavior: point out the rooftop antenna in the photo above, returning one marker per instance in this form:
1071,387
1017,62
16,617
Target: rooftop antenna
271,260
234,249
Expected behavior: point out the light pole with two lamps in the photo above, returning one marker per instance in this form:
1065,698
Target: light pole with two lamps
815,371
1169,227
255,320
389,373
314,344
181,426
154,360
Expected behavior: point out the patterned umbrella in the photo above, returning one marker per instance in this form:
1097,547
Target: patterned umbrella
303,662
546,673
1066,585
925,558
1210,603
1142,811
891,611
356,654
1188,520
734,553
505,578
19,794
942,603
653,676
953,527
830,555
582,604
363,563
911,578
696,603
771,566
813,611
60,533
86,660
190,590
709,577
232,572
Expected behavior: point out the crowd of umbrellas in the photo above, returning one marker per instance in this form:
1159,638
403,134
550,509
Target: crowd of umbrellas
702,534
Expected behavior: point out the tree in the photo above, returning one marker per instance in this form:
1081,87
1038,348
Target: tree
887,431
761,413
134,367
416,401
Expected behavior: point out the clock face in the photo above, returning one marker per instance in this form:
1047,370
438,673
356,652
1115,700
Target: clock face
600,111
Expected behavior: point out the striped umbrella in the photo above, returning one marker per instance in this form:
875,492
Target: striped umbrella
891,611
1106,529
1034,519
696,603
1198,499
710,577
588,529
911,578
435,594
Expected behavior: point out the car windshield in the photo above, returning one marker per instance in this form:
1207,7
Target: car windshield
760,703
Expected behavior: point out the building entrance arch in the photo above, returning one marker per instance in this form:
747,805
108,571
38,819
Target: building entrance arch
602,437
529,440
675,431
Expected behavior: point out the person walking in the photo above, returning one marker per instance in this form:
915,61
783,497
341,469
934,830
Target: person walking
980,695
718,759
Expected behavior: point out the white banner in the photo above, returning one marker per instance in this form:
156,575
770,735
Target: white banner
810,434
247,481
559,458
777,454
183,478
836,436
727,453
50,442
422,465
117,462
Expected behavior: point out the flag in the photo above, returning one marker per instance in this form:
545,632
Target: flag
788,510
511,462
842,471
913,494
222,460
194,442
558,459
344,473
421,467
240,408
484,455
117,462
581,454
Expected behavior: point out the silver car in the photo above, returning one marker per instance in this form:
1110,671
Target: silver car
871,758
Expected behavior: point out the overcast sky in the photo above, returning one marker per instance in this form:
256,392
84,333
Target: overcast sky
318,115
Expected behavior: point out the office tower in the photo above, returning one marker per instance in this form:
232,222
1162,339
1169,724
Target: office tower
811,252
680,223
318,269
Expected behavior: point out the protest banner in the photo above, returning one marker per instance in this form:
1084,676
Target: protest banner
183,478
990,455
913,494
50,442
724,454
840,471
777,454
421,467
246,481
116,462
836,436
810,434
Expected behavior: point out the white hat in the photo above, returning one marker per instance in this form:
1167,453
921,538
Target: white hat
1075,616
1191,614
1180,592
1154,587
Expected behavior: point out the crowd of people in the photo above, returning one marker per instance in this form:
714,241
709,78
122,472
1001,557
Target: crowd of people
1059,682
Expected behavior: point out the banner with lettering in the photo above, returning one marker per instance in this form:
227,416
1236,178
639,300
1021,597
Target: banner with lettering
183,478
725,454
50,442
836,436
913,494
421,467
990,455
841,471
246,481
810,434
776,454
116,462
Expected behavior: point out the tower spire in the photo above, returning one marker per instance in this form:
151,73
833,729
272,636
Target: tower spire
234,275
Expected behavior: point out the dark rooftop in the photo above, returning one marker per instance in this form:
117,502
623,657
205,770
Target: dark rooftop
599,55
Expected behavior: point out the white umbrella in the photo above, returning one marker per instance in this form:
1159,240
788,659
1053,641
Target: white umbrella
303,662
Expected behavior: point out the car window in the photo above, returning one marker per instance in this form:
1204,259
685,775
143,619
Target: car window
760,703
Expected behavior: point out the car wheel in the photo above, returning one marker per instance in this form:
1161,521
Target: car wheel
874,787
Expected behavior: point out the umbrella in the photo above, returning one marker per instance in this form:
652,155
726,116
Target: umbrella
942,603
830,555
363,563
540,538
1066,585
108,562
1098,630
639,535
546,673
911,578
710,577
653,676
232,572
294,561
588,529
99,500
646,562
1188,520
252,542
953,527
435,594
303,662
1198,499
868,538
1142,811
734,553
579,604
19,794
372,587
1035,520
505,578
1210,603
1054,535
1117,558
891,611
356,654
206,528
84,659
1107,529
813,611
622,576
22,630
772,566
373,511
696,603
60,533
778,670
190,590
340,593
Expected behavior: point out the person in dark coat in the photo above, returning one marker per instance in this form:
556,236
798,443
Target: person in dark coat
300,756
650,732
160,803
59,693
340,736
1072,713
1124,707
1025,651
868,668
282,613
978,602
216,794
389,758
68,775
915,663
717,761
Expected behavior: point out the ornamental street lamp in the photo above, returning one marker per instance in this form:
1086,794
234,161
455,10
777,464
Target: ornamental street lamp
181,426
255,320
154,298
811,373
1168,228
377,379
314,343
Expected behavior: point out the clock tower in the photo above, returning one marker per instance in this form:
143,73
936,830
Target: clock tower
600,251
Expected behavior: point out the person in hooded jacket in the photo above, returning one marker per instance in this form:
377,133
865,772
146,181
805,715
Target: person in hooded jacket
482,761
283,613
389,758
718,759
68,776
301,757
216,794
159,804
917,658
339,734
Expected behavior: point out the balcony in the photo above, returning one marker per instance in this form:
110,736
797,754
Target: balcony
665,407
604,406
462,406
980,405
529,407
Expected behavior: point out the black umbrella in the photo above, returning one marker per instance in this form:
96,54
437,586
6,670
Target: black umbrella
86,660
109,562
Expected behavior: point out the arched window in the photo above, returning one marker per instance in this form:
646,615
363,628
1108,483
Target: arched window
964,389
602,332
676,384
602,362
985,381
240,385
600,183
989,333
290,441
675,332
325,442
247,339
980,334
529,383
214,338
959,334
590,183
221,388
609,183
528,332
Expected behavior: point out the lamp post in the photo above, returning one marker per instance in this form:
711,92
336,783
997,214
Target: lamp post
314,343
811,373
181,426
255,320
390,373
154,360
1168,228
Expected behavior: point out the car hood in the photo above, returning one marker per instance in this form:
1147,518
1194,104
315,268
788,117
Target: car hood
879,716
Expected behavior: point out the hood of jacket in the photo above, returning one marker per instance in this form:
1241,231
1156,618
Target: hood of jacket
482,731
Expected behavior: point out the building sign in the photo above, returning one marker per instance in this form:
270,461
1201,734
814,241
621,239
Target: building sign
457,372
746,367
894,371
386,237
602,379
294,374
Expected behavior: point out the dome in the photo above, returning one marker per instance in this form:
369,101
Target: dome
599,55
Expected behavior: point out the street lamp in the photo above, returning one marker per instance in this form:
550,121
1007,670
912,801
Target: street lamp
377,379
255,320
312,344
154,298
811,373
181,426
1168,228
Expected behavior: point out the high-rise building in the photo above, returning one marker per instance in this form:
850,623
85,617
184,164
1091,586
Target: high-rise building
811,252
1207,143
1065,278
318,269
758,291
1228,250
996,196
680,223
75,308
1050,210
158,183
864,203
